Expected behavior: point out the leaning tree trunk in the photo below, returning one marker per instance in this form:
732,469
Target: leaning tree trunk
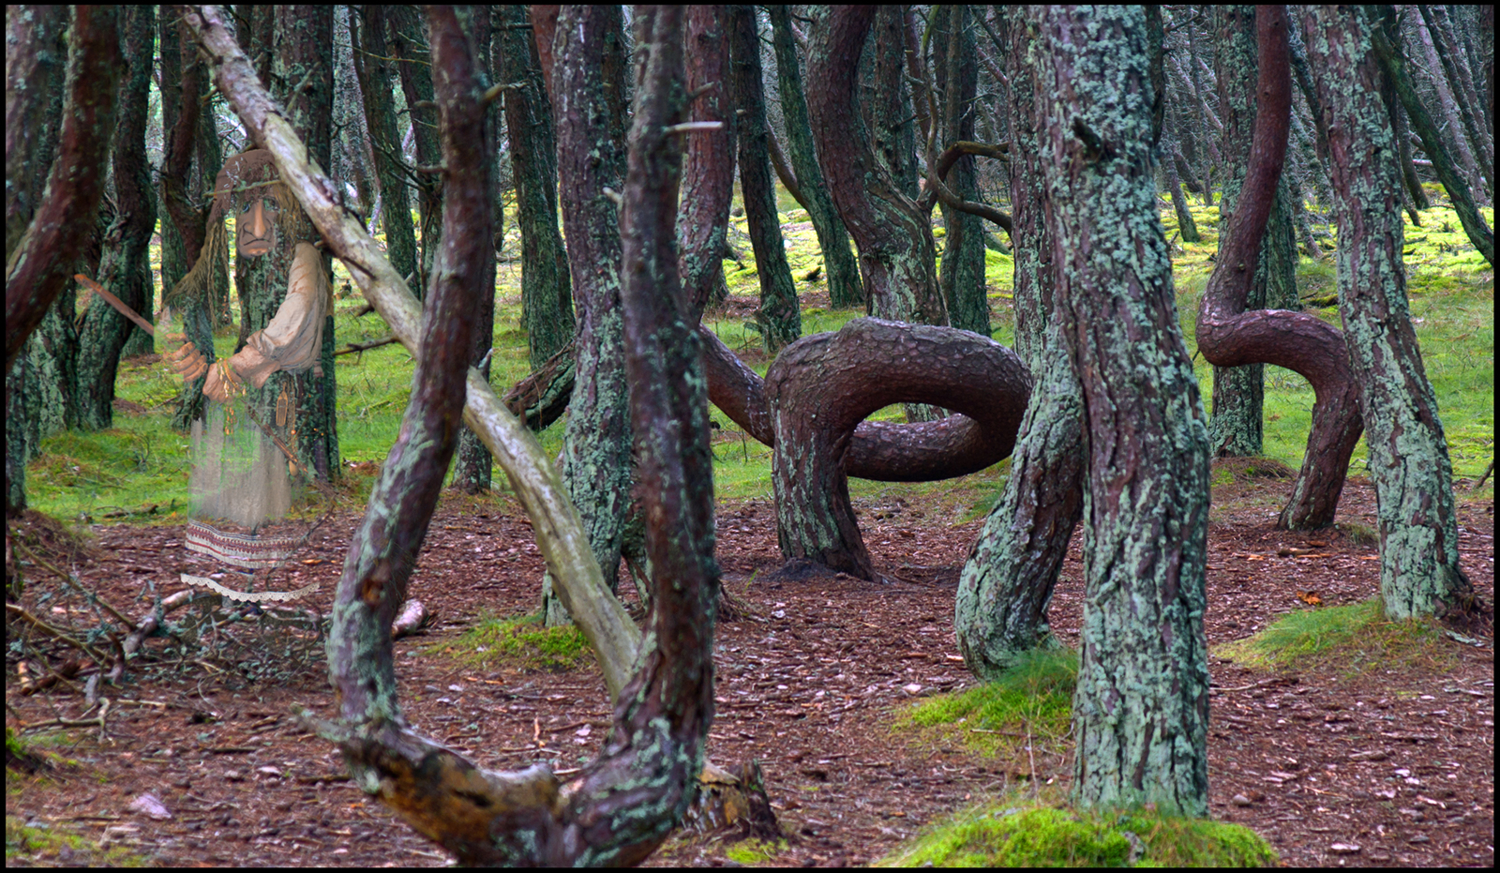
844,287
779,316
546,292
105,330
1229,336
1141,707
1000,610
596,443
1419,566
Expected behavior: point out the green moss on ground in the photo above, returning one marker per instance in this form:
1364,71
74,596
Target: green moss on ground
521,642
1031,704
1039,836
1349,640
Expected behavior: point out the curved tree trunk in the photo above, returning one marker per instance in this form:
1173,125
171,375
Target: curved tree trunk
1229,336
896,250
821,387
779,316
844,287
1000,610
1140,713
1419,560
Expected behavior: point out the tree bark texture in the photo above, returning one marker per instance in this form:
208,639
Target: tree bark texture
1005,587
472,462
546,291
42,263
1462,135
302,73
1479,233
596,442
888,96
896,249
122,266
708,169
376,77
559,533
821,387
408,42
779,316
1230,336
844,287
961,276
1419,560
1141,707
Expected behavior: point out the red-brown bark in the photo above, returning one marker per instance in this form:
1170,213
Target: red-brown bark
822,387
44,260
1228,336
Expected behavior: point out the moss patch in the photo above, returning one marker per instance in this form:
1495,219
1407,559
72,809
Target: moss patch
521,642
1348,639
997,836
1032,701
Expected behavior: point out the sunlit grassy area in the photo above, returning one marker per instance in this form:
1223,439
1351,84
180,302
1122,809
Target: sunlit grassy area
138,469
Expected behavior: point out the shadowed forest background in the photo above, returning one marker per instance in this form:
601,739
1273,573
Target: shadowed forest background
762,340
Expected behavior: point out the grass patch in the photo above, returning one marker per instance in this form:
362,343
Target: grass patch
522,642
1353,639
754,853
996,835
1033,700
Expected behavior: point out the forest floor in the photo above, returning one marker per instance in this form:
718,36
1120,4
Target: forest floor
1391,766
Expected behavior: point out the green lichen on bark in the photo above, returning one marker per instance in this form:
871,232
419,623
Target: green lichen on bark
1419,559
1141,706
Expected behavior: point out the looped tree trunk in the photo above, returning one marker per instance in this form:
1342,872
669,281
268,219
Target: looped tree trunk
820,389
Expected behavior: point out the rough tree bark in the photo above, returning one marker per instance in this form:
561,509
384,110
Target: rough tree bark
1419,559
844,287
708,163
1141,706
1230,336
821,387
896,249
596,442
779,316
121,267
1005,587
546,292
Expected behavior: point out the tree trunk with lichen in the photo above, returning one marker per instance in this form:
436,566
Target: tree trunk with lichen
105,331
779,316
1419,559
1141,705
590,159
1006,585
961,274
377,77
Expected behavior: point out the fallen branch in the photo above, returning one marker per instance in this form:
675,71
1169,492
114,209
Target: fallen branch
351,348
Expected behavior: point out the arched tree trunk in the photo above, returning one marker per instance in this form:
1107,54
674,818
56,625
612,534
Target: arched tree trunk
821,387
1229,336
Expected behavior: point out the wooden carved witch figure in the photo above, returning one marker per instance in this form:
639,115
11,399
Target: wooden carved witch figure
244,463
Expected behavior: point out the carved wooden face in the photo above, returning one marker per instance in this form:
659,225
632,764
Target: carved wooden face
255,227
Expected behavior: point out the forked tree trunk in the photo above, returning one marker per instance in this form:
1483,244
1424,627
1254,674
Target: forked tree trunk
1230,336
1141,708
1419,559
